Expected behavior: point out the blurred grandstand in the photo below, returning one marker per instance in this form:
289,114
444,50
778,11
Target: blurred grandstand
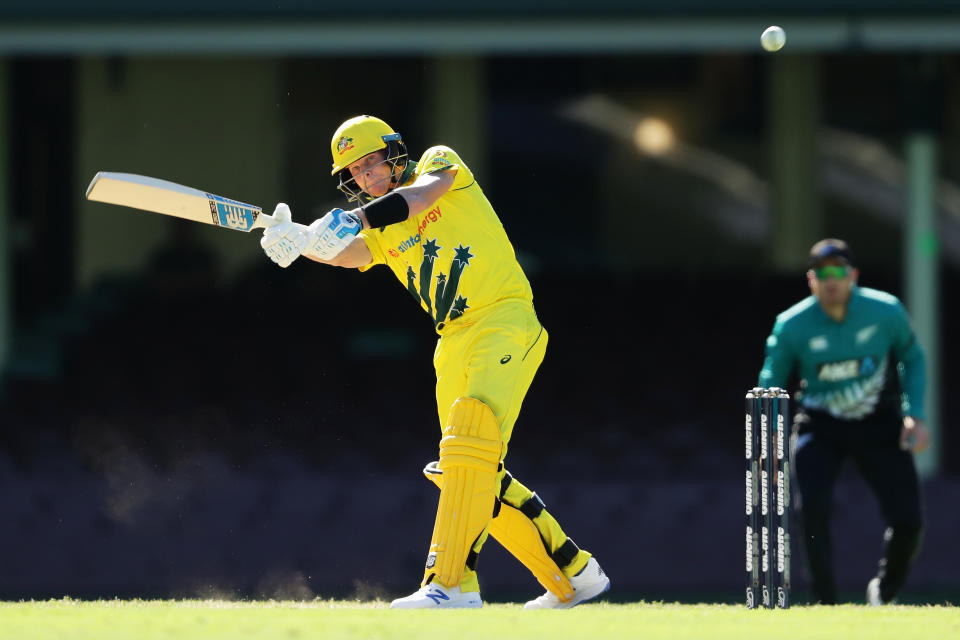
150,447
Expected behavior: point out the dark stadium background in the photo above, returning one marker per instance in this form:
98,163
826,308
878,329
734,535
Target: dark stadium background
153,444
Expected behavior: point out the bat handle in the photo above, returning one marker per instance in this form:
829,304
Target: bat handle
281,214
265,221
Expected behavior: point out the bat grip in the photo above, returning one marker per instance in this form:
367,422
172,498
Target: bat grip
265,220
280,215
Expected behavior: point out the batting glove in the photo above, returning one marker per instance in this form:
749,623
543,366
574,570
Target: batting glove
331,234
283,242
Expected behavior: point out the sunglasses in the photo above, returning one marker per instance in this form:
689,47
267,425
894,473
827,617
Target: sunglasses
832,271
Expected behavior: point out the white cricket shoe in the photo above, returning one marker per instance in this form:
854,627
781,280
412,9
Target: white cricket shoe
588,584
437,596
873,593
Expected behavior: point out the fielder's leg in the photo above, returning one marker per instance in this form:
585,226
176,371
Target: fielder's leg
817,463
891,474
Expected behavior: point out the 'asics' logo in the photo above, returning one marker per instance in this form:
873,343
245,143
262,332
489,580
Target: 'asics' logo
505,359
436,595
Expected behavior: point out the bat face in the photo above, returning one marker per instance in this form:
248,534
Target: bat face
172,199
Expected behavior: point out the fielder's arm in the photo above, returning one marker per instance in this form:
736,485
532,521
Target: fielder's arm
912,363
780,359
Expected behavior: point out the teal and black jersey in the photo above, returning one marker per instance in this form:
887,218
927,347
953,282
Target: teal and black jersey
870,363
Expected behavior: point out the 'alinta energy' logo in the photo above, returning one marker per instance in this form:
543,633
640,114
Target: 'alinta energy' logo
344,144
433,215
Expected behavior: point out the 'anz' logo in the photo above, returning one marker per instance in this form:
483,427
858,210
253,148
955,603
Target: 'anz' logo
845,369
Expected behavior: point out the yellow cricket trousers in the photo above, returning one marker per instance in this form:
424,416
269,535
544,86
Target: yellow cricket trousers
492,357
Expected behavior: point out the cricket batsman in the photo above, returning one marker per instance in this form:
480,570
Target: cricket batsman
432,226
862,382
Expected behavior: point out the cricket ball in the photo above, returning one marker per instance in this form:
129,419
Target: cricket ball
773,38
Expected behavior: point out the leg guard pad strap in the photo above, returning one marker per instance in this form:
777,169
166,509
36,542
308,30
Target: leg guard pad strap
533,507
504,483
566,553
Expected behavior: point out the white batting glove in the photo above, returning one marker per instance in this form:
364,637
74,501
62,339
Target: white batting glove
283,242
331,234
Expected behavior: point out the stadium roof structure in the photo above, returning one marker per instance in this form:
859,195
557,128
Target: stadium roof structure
300,27
221,9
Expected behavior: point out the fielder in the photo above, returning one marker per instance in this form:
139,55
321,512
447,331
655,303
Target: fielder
431,224
862,382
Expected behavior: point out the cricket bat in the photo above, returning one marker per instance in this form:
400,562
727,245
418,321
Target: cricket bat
172,199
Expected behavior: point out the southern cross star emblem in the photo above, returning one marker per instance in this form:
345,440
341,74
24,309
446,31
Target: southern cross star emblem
431,249
460,306
462,255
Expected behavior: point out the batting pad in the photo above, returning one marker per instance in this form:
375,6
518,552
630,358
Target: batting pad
518,535
469,456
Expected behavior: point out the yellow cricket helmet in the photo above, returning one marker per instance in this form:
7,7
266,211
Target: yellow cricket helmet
358,137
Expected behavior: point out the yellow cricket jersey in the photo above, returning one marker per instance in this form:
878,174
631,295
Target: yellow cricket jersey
456,257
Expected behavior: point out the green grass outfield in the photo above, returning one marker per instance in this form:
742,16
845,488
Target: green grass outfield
211,619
